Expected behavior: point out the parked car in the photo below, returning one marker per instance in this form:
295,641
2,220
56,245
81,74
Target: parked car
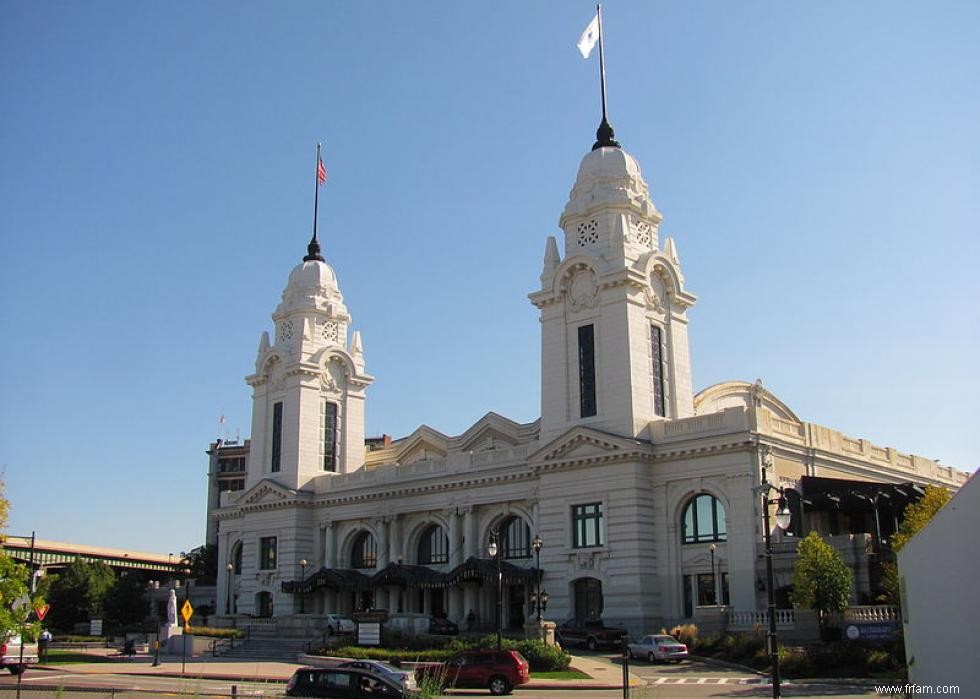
397,675
344,683
339,624
658,647
13,658
498,671
591,633
442,627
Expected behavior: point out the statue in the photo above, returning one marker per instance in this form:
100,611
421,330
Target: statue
172,608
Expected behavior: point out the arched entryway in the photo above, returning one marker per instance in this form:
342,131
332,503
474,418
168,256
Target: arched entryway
587,594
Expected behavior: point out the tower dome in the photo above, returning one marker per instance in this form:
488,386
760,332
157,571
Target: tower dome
609,177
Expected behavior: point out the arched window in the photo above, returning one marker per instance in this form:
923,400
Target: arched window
433,546
704,520
364,552
515,538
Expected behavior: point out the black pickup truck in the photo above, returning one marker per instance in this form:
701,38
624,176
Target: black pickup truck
591,633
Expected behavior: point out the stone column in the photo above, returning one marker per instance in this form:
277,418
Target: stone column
395,539
331,538
455,538
471,541
383,544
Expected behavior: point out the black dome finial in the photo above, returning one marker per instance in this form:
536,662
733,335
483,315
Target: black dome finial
313,251
605,137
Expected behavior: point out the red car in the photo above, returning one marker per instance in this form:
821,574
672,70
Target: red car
498,671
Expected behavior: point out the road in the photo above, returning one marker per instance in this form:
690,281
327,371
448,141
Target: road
665,682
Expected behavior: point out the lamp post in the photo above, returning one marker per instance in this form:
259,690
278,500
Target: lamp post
302,581
714,581
229,569
186,573
782,521
536,544
494,550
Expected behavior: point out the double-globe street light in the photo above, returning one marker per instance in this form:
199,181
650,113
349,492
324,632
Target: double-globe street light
782,517
302,585
495,552
229,568
538,598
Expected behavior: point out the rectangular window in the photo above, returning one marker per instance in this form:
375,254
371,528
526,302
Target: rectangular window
586,370
587,525
706,589
656,342
267,553
277,436
330,437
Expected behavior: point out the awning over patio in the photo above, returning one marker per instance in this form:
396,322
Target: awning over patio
823,494
415,576
337,578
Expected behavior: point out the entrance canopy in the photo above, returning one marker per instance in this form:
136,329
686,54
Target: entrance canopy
404,575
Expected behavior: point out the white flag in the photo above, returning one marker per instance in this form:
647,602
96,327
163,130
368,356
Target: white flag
589,37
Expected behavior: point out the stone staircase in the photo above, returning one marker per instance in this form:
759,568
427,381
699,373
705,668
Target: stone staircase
267,644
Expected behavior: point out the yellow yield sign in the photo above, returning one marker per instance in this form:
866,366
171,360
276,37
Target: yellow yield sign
187,611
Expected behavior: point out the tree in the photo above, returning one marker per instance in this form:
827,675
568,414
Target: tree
916,515
126,605
203,562
14,586
79,593
821,579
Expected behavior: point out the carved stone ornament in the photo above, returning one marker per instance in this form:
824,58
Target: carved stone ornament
582,291
653,301
327,384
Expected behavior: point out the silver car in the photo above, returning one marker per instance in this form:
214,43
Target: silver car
396,675
656,647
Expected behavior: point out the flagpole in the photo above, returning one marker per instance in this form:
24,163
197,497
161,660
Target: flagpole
602,63
313,249
605,136
316,188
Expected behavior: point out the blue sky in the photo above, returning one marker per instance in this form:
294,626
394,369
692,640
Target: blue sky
817,163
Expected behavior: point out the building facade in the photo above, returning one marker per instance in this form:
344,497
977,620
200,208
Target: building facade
641,490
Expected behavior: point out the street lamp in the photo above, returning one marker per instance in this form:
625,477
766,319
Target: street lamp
494,550
782,517
229,569
714,581
302,581
539,602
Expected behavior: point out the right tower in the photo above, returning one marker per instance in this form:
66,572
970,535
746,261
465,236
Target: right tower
614,340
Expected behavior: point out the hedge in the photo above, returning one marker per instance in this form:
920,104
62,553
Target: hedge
540,656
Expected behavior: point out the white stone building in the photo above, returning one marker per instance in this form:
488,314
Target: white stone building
641,489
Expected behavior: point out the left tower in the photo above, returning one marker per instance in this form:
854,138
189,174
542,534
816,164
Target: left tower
309,385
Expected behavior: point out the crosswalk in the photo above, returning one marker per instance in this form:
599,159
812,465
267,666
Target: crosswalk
708,680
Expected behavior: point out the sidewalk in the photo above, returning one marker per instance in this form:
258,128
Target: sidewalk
604,673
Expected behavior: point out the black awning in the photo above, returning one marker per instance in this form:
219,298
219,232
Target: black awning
337,578
485,569
408,576
827,494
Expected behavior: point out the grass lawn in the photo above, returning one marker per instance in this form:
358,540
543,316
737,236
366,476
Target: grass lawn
66,657
570,674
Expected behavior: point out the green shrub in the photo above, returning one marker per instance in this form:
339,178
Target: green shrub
215,633
795,662
540,656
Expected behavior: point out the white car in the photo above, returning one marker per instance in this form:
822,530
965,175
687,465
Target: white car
658,647
396,675
339,624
